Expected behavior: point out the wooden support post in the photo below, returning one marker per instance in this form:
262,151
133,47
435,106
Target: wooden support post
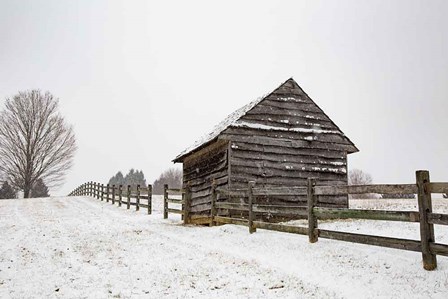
128,204
252,229
97,190
187,206
107,192
426,229
137,199
213,204
113,194
165,201
120,195
312,220
102,192
149,199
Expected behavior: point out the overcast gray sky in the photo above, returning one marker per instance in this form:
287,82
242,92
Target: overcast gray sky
142,80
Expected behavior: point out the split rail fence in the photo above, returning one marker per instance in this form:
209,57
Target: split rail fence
178,201
140,197
423,188
174,201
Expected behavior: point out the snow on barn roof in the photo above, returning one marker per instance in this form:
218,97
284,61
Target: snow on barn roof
233,120
219,128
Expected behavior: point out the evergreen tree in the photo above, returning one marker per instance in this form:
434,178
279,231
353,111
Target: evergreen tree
7,192
135,177
39,189
129,178
117,179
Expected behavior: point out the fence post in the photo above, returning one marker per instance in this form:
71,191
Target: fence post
113,194
426,229
102,192
165,201
128,204
187,206
312,220
120,195
97,190
149,199
137,199
252,229
107,192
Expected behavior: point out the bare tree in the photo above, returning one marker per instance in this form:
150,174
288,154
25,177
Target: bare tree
359,177
171,176
35,141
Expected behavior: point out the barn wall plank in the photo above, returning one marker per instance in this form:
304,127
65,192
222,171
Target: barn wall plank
201,170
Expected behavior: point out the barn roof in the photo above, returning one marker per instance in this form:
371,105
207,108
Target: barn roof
232,120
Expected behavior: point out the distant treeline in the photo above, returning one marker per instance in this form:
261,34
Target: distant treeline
172,177
133,177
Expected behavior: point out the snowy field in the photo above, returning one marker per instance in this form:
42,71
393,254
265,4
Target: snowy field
79,247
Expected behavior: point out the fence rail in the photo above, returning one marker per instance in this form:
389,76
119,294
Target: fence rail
423,188
137,196
168,202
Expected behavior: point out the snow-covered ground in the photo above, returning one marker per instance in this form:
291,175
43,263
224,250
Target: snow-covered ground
79,247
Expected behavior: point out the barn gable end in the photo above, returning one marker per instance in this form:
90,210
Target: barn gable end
278,140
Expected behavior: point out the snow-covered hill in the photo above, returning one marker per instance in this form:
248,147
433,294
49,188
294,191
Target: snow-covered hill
79,247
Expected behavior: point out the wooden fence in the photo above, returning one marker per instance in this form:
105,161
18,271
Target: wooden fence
423,188
181,208
140,197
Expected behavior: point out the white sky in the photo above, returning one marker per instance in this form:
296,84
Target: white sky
142,80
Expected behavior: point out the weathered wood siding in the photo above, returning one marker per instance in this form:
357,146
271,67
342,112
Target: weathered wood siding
200,170
285,139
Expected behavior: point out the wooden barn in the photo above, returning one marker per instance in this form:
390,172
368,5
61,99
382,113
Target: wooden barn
278,140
